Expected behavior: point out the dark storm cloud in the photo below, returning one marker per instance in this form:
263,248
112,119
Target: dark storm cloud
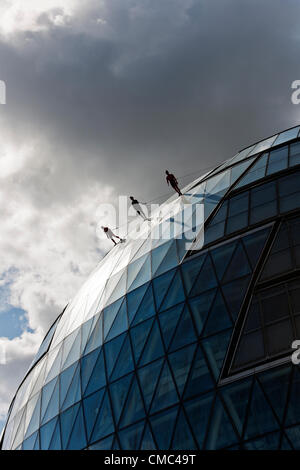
180,86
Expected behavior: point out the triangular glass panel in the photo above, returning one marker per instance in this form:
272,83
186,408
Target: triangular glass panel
130,438
55,368
55,443
254,244
239,265
124,363
158,254
175,294
120,323
91,406
144,274
260,416
148,442
87,366
104,444
46,433
183,438
134,268
74,393
293,411
109,315
67,419
162,427
85,333
119,290
200,380
165,394
221,257
65,380
139,335
190,271
78,438
168,321
219,318
148,377
53,405
74,352
256,172
154,346
234,293
47,393
236,398
293,435
112,350
200,307
134,407
275,384
35,418
104,424
71,349
169,261
206,279
118,392
146,308
134,299
161,285
268,442
185,332
96,336
215,348
180,363
285,444
28,444
221,432
97,379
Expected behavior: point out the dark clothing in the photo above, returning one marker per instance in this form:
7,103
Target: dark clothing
171,179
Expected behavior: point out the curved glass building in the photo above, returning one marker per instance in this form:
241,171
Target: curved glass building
182,336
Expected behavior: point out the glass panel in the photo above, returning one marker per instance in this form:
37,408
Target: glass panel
286,136
221,433
263,145
162,427
118,392
256,172
295,154
198,412
278,160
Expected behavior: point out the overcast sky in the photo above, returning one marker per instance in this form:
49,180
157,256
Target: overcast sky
102,97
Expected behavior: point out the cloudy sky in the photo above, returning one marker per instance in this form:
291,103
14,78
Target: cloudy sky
102,97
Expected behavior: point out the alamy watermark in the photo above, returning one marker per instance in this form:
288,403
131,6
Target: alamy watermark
179,219
2,92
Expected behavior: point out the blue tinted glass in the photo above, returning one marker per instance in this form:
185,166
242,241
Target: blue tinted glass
91,406
168,321
221,257
146,308
104,424
154,346
278,160
236,398
221,432
112,350
165,394
190,271
46,433
256,172
180,363
139,335
200,307
134,299
78,439
148,442
65,380
239,265
198,412
234,293
74,393
183,438
238,204
175,295
134,408
130,438
67,419
215,348
218,319
87,365
120,323
185,332
109,315
275,384
96,336
287,135
162,427
160,286
206,279
295,154
260,418
118,392
124,362
148,377
97,379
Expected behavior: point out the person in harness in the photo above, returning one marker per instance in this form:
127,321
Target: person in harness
110,235
135,203
171,179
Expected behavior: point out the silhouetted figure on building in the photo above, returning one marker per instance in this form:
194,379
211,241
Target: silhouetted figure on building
171,179
110,235
135,203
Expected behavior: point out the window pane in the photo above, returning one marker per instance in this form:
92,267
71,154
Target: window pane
278,160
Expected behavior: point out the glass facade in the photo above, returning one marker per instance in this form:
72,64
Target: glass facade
176,345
